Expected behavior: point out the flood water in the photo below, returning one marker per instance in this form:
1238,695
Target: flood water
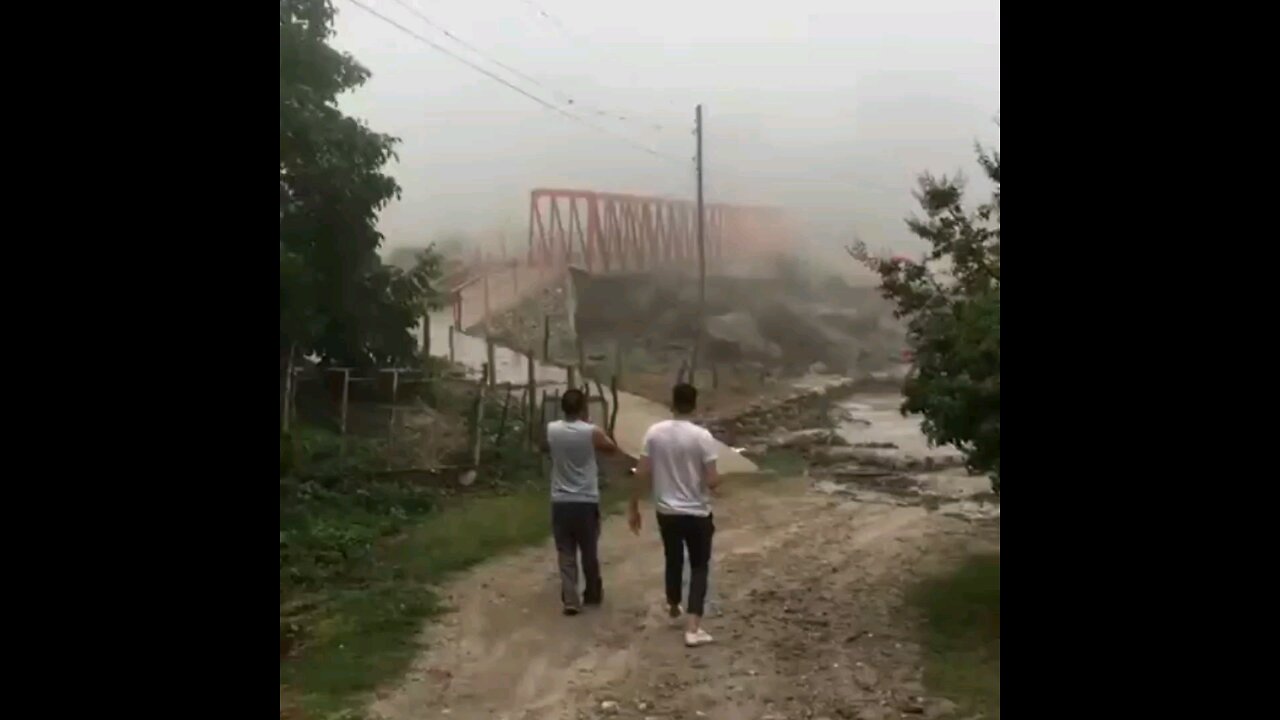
875,420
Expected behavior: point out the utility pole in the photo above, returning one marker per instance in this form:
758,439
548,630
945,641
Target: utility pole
702,257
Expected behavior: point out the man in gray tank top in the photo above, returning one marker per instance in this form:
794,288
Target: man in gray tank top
575,499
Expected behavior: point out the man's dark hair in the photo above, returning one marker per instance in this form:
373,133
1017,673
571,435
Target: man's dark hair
684,398
573,402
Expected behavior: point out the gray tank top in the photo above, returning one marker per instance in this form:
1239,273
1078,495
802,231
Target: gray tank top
574,477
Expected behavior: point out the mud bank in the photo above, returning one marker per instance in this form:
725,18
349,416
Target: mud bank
808,405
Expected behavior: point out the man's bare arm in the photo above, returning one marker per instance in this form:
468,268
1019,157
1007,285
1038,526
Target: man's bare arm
641,481
603,442
712,474
643,473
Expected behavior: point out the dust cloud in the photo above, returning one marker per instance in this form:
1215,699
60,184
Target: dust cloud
829,108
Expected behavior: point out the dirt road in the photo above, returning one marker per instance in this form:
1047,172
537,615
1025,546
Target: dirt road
808,586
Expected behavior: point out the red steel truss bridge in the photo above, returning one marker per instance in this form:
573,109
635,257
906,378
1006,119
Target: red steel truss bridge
611,233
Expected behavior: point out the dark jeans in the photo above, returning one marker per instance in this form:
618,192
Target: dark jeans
576,528
692,532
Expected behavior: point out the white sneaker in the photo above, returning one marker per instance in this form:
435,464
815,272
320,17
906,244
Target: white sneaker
674,611
694,639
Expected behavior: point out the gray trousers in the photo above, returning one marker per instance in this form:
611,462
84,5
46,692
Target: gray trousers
576,529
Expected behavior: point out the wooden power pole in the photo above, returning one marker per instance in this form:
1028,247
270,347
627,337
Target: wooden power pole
702,257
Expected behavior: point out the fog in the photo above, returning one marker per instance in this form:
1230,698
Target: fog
827,107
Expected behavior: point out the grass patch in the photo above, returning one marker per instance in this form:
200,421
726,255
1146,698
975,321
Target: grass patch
362,553
961,612
783,461
364,632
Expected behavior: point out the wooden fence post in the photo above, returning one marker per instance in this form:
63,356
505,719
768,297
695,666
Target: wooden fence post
346,387
542,415
488,356
485,280
525,403
502,421
286,413
613,419
604,403
533,385
546,338
542,434
617,359
479,433
293,400
451,357
295,442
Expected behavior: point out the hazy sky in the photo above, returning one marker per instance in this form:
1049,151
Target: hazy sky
829,107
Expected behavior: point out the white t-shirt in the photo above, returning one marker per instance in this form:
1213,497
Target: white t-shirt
678,450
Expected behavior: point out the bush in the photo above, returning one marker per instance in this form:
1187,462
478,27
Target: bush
951,301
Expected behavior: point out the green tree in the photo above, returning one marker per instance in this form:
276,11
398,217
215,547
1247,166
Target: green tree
950,300
337,298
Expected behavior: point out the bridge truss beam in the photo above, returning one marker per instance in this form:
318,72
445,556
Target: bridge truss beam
611,232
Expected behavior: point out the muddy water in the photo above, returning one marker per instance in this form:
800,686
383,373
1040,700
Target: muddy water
875,421
876,418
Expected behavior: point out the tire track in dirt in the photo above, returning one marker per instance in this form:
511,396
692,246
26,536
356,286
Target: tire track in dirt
807,587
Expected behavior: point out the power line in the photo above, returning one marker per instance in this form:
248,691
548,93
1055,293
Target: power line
564,31
564,97
473,48
548,17
435,46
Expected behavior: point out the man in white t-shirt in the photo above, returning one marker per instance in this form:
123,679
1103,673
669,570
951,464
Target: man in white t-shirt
679,458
